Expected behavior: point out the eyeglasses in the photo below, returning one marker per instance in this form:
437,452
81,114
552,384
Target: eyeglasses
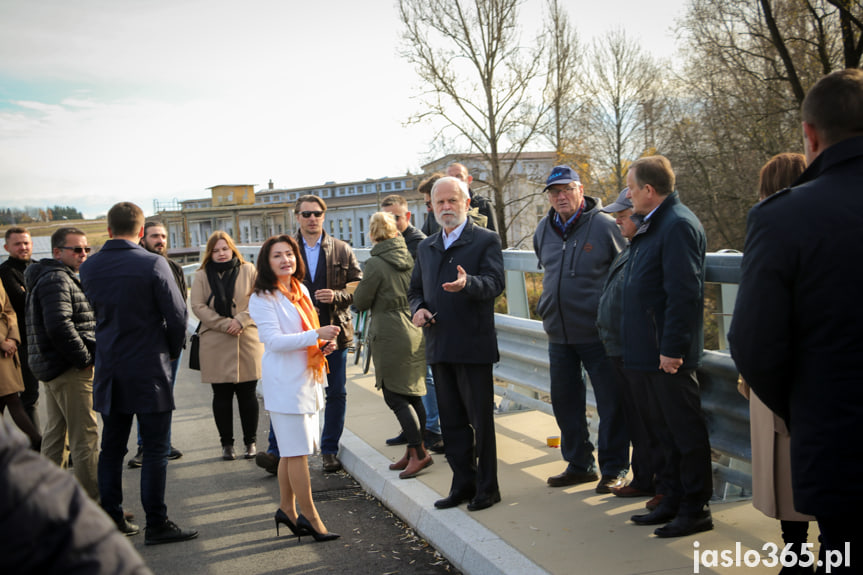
310,214
77,249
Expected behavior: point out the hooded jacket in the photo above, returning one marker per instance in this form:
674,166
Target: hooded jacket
576,266
397,345
61,326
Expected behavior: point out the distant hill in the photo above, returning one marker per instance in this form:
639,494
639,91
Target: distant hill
96,230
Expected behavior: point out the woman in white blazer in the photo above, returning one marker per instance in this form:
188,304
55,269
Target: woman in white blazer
293,372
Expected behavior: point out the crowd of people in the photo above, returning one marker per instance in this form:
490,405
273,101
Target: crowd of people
622,300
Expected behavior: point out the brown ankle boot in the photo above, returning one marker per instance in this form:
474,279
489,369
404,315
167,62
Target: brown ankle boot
419,460
401,463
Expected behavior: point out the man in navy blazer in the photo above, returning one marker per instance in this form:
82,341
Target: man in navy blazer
140,327
457,275
797,332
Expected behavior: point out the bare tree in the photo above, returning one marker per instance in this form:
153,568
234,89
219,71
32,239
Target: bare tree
737,104
477,79
624,85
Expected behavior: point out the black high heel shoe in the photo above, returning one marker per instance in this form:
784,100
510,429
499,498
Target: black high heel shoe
303,523
281,517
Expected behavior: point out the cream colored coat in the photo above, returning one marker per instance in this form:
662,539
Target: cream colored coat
288,383
226,358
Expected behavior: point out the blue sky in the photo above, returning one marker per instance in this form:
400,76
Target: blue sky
106,100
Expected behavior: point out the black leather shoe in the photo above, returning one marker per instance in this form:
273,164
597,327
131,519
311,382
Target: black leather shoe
228,453
126,527
572,478
453,500
609,482
267,462
483,502
167,532
683,525
434,442
331,463
399,439
138,459
656,517
175,453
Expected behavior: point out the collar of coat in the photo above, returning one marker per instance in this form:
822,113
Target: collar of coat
644,225
465,238
847,150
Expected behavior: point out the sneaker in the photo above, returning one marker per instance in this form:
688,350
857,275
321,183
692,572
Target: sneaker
267,462
168,532
138,460
399,439
175,453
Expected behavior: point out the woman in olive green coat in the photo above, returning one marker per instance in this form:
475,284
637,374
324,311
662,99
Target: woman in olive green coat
398,350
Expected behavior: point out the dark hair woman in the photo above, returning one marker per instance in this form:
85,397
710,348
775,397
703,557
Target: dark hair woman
294,373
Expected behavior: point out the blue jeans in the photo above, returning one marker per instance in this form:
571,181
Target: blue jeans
336,402
430,404
273,448
567,363
175,365
115,435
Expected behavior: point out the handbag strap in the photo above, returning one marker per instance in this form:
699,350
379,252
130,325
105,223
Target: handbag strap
209,299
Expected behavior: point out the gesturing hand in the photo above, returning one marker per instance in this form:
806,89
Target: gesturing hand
459,283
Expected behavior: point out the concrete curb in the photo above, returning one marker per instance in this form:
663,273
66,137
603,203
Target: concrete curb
467,544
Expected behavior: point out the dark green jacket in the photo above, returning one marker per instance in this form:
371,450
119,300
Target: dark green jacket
398,349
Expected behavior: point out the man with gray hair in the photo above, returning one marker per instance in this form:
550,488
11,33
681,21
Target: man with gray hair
576,243
796,334
457,276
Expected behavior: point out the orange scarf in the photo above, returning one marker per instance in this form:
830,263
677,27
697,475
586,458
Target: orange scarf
309,318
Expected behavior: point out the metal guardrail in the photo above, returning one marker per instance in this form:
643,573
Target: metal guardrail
523,364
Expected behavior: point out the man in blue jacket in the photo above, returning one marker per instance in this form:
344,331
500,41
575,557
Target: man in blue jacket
797,333
140,327
663,339
576,243
458,273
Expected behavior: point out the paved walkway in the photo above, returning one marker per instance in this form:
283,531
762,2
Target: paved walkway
536,528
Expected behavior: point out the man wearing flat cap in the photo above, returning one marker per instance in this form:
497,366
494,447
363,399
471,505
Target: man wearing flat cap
576,243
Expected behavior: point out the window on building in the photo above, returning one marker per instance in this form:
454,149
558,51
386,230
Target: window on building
398,185
351,231
388,186
341,230
332,233
362,234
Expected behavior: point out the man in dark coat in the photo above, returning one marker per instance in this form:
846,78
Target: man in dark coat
663,340
457,276
796,336
20,247
140,328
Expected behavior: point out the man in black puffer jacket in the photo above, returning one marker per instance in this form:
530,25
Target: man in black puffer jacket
61,342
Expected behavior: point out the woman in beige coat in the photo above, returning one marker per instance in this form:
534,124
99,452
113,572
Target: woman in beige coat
771,441
11,381
230,350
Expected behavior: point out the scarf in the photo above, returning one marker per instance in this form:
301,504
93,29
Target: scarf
309,318
223,286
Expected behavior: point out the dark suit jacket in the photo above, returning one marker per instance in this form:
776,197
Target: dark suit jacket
797,332
463,331
140,327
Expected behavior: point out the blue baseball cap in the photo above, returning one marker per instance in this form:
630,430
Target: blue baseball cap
561,175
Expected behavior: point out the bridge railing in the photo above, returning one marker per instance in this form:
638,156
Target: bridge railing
523,375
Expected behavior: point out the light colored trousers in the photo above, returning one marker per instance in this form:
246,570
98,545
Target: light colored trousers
69,410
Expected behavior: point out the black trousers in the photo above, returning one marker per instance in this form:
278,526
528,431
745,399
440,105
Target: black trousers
673,412
223,410
837,533
647,458
410,412
465,395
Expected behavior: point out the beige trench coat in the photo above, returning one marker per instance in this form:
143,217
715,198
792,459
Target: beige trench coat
10,368
226,358
771,463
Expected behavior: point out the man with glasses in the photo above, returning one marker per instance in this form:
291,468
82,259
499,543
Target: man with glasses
330,265
576,243
61,341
